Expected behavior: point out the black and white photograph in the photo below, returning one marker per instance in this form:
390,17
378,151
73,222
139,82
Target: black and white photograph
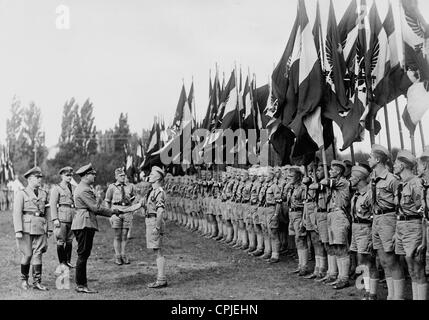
218,151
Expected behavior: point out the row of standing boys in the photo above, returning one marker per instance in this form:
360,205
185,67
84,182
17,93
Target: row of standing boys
361,217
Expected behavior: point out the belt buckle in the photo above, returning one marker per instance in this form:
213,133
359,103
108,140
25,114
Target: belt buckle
37,214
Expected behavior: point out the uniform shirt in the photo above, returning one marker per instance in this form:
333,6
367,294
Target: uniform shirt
229,189
295,196
254,192
27,201
87,208
245,192
262,194
425,190
239,192
273,194
383,191
409,199
216,190
361,204
234,189
61,202
339,197
114,194
155,201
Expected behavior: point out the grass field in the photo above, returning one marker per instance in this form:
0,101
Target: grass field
197,268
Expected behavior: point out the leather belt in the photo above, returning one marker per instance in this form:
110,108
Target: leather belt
361,221
66,205
32,213
408,218
380,211
295,209
321,210
151,215
269,205
124,204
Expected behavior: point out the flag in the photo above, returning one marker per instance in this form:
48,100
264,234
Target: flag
415,32
310,81
179,110
377,63
270,111
228,115
417,105
399,82
348,32
207,119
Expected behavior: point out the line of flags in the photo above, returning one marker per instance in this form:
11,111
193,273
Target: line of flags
344,76
6,167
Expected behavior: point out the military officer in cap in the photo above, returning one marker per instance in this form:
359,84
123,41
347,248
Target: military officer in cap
361,240
384,187
33,225
155,226
62,213
85,224
339,221
410,239
258,215
120,195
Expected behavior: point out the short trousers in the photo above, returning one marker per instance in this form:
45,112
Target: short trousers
153,241
322,226
361,238
295,218
310,213
271,218
383,230
122,221
408,237
338,228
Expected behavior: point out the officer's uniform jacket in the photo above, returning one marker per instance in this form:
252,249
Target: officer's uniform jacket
383,191
62,202
262,193
246,192
87,208
31,213
409,197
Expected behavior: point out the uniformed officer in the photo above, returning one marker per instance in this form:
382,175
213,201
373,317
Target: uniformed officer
85,224
62,213
214,205
155,226
255,244
243,221
226,215
410,239
238,208
361,240
232,212
32,224
120,195
283,213
384,187
339,221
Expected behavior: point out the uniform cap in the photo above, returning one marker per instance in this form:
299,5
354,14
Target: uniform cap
338,163
119,171
159,171
65,170
86,169
362,170
380,149
36,171
406,156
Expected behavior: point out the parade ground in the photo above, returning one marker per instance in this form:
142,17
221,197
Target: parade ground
197,268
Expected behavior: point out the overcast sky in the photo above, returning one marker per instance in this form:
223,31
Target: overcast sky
131,56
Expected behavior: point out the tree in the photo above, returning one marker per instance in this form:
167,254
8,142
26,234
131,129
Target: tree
121,133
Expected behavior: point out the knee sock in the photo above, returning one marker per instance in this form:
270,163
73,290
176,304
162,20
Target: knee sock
390,288
322,264
160,263
422,289
260,241
267,245
373,284
398,286
275,248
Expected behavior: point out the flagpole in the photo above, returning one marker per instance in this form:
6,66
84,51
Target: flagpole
422,135
237,106
386,120
413,143
325,163
352,153
401,134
